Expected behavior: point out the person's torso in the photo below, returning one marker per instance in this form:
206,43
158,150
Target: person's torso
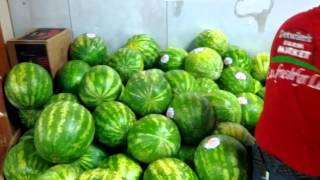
289,127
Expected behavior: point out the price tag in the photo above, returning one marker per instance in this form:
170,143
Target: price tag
165,58
170,112
212,143
91,35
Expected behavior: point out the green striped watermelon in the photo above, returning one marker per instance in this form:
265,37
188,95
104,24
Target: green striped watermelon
214,39
29,117
237,80
261,93
146,46
181,81
147,92
63,132
193,115
128,168
100,84
61,172
91,159
169,169
126,62
252,106
27,135
236,56
260,66
172,58
225,105
205,86
100,174
22,162
70,75
236,131
204,62
152,137
221,157
90,48
186,154
63,97
113,121
28,86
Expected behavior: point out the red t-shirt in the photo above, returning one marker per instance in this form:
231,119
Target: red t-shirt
289,127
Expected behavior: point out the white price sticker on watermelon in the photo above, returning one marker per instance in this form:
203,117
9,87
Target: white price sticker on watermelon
91,35
228,61
170,112
165,58
243,100
241,76
198,50
212,143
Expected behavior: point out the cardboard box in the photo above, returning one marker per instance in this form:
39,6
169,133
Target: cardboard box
45,46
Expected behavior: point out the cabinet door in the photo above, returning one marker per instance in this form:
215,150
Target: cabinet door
6,129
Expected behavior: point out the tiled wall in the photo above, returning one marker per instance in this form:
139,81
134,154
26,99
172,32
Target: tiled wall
250,24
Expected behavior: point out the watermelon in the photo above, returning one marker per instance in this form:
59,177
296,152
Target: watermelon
214,39
69,76
89,48
101,83
172,58
260,66
204,62
261,93
236,56
225,105
128,168
63,132
61,172
113,121
28,117
186,154
169,169
257,86
62,97
237,80
147,92
100,174
221,157
153,137
236,131
146,46
22,162
91,159
205,86
28,86
27,135
180,81
252,106
126,62
193,115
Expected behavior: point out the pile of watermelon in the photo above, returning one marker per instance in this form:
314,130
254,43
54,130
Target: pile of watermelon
139,113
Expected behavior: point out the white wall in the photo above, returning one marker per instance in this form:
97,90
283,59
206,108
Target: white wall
170,22
5,21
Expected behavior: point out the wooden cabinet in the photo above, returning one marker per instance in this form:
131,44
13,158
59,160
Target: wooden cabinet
6,130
